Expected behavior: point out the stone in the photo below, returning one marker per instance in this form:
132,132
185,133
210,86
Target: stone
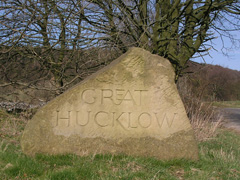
131,107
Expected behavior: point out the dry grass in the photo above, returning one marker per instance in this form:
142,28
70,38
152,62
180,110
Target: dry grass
3,146
11,126
204,118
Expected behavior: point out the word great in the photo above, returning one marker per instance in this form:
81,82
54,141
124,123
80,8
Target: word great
126,120
113,96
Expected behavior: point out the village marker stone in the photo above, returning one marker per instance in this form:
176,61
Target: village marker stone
131,106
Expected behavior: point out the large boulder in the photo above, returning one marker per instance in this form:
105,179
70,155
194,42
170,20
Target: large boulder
131,106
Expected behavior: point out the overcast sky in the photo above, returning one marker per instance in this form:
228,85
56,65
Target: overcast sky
231,61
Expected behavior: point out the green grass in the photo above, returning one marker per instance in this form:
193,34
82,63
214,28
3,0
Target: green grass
227,104
219,159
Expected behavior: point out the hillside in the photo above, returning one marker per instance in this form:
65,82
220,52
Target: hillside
212,82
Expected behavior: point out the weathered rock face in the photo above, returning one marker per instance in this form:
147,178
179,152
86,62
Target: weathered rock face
131,106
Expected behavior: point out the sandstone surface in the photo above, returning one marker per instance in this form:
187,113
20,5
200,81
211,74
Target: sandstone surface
131,106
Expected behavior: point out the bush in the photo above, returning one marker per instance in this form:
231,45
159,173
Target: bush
203,117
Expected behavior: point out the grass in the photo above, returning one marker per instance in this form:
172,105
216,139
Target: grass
204,119
219,159
227,104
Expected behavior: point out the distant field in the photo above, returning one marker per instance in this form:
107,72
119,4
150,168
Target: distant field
227,104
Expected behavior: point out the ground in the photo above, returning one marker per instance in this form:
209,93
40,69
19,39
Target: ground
232,117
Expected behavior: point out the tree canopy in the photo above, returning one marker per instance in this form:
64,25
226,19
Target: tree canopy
174,29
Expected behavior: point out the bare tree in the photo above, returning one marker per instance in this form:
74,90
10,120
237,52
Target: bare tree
45,45
174,29
57,35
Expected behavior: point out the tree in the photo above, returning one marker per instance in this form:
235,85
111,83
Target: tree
39,30
174,29
45,48
50,33
53,32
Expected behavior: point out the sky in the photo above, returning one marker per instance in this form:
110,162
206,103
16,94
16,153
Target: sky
232,61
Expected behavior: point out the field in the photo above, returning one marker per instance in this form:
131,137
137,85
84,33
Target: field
227,104
219,159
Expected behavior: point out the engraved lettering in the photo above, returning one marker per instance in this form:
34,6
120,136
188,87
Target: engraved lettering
141,96
63,118
145,120
87,121
171,121
119,95
102,119
101,115
117,119
106,94
57,119
128,97
129,121
165,118
85,96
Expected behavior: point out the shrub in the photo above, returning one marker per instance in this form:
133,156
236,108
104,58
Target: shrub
203,117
